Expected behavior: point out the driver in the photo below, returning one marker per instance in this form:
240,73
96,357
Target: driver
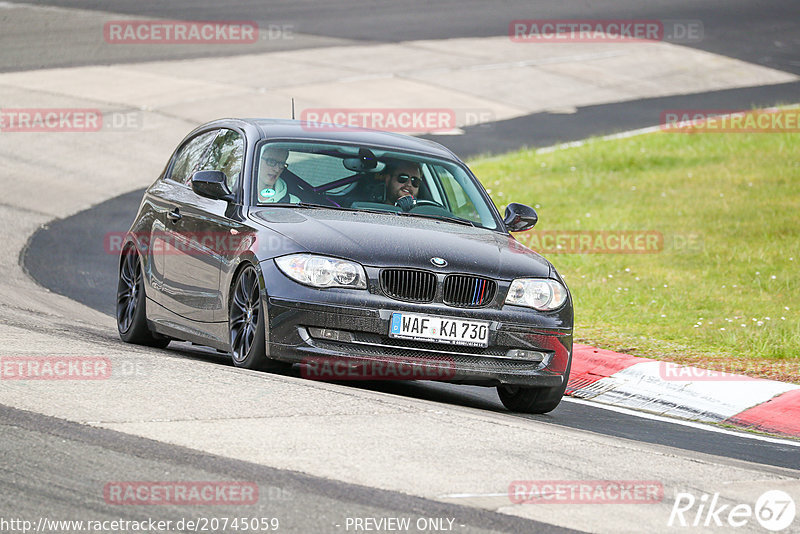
402,180
271,187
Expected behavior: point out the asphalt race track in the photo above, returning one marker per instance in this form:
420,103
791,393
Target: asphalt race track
85,232
764,33
305,500
320,453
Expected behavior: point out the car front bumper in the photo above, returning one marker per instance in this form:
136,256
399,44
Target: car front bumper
349,328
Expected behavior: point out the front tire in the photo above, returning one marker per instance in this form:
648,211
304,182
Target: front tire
246,325
131,302
533,400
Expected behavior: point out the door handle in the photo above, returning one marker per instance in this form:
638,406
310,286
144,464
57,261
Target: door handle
174,215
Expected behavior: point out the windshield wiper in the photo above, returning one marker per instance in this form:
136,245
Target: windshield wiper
323,206
301,205
297,204
457,220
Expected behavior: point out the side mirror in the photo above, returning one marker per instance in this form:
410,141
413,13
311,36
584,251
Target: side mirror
520,217
211,184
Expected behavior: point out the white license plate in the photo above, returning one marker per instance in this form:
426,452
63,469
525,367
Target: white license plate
439,329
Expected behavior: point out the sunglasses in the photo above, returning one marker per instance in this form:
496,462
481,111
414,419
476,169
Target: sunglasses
403,178
272,162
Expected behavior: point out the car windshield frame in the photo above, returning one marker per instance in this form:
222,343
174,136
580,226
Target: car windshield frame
488,213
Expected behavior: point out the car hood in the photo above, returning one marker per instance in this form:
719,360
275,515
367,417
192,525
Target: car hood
377,239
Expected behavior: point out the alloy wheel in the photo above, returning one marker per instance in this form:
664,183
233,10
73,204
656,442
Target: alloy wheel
130,280
245,311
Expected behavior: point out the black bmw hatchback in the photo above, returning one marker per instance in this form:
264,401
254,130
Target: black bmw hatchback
357,254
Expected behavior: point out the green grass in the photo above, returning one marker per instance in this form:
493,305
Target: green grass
737,195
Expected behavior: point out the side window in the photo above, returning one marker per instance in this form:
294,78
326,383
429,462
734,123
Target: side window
189,156
226,154
317,169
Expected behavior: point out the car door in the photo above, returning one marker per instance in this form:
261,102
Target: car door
162,198
202,235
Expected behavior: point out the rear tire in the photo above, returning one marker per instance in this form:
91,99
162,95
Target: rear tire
131,302
533,400
246,325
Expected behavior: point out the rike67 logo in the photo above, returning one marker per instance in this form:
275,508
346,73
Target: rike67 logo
774,510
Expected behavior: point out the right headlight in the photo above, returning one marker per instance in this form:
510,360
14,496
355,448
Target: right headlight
322,271
539,293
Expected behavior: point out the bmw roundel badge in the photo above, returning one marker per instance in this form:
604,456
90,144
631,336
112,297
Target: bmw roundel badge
439,262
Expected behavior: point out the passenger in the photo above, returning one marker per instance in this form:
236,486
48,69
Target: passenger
271,187
401,180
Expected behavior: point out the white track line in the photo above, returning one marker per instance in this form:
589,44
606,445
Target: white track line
692,424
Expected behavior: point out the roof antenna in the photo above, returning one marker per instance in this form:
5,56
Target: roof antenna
292,108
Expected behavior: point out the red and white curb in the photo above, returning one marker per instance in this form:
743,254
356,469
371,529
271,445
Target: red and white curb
684,392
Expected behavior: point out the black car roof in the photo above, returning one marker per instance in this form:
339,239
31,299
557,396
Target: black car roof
295,129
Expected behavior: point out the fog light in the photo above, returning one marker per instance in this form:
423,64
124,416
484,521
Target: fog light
527,355
332,335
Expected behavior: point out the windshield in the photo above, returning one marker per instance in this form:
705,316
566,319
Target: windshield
369,179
